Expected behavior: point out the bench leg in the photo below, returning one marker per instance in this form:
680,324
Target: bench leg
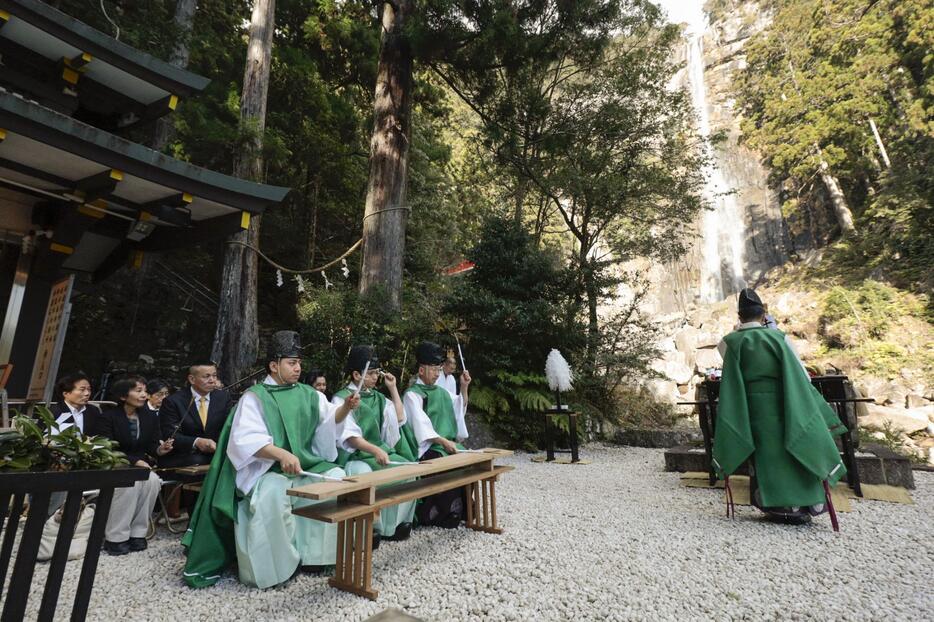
354,569
481,506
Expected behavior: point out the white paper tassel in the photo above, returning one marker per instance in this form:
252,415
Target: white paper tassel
344,269
327,283
278,278
558,372
300,282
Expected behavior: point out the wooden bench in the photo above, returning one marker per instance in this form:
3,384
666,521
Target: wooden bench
354,504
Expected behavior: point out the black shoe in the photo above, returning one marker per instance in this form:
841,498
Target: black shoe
138,544
451,521
376,540
787,516
403,531
116,548
317,569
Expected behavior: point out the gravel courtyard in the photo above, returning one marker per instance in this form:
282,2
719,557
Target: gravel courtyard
618,539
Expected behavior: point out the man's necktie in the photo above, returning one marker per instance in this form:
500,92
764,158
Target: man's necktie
203,412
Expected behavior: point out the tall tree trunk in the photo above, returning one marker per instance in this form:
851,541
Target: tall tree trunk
386,211
840,208
236,339
184,18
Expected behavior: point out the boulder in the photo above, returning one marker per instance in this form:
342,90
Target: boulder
803,347
883,391
686,339
674,369
707,338
707,358
665,390
913,400
907,421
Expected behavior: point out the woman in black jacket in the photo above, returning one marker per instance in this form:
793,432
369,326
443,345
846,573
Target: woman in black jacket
136,431
158,390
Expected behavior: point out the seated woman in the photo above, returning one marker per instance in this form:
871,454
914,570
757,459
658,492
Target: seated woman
316,380
158,390
136,430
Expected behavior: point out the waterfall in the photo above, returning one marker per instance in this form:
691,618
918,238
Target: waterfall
722,228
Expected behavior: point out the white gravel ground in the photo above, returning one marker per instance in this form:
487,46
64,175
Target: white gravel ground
619,539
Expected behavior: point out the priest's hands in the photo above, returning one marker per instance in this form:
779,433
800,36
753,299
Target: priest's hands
465,380
352,401
289,463
390,381
449,446
381,456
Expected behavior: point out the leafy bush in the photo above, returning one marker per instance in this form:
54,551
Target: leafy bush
639,408
850,316
28,448
512,314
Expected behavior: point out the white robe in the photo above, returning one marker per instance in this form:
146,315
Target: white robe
249,434
449,382
421,424
389,433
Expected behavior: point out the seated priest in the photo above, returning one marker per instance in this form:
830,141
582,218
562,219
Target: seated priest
371,433
194,417
770,414
438,424
283,434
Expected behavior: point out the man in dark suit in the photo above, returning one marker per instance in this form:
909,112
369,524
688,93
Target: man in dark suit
72,408
199,413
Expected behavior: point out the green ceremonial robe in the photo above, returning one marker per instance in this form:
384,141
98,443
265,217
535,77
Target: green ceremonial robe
439,407
769,410
369,418
291,414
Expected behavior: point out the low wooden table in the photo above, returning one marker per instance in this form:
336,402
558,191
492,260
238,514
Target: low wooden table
355,503
833,388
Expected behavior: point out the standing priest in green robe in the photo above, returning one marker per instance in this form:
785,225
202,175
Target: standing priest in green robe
771,414
278,430
438,422
371,434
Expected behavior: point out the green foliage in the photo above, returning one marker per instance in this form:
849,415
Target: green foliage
852,315
509,404
29,447
814,81
890,437
639,408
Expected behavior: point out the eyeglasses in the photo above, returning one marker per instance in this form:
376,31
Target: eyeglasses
163,393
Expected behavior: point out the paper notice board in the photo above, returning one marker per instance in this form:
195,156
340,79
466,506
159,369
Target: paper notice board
49,350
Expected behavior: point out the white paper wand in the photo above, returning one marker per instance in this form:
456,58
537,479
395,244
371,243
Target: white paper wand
461,354
325,477
366,368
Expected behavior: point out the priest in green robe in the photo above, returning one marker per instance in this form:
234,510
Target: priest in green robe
372,433
282,434
438,423
771,414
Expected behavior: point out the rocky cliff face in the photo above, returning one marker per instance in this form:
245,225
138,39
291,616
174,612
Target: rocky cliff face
757,225
693,322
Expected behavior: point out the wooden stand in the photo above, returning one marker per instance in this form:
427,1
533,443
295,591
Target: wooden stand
481,506
354,569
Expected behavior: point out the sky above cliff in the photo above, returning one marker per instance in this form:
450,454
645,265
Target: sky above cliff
690,11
